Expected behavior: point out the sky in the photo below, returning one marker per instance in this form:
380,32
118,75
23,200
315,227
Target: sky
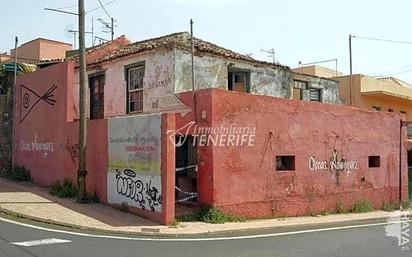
305,31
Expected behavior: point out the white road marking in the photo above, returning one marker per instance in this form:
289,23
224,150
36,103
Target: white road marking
199,239
48,241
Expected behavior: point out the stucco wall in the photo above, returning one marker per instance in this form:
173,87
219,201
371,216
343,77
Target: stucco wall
44,142
212,72
244,180
386,96
157,83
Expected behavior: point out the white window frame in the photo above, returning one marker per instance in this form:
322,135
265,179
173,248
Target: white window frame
129,91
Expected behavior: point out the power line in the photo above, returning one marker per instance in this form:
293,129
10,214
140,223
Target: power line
392,72
383,40
98,7
104,9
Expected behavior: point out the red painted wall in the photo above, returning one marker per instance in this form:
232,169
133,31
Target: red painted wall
243,180
47,119
46,138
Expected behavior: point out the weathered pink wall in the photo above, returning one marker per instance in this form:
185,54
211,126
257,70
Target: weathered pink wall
48,122
55,129
243,179
44,120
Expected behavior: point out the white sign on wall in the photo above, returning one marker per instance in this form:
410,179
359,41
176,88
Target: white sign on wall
133,176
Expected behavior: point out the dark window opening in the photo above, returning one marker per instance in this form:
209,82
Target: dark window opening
298,87
390,110
374,161
316,94
286,162
186,170
134,80
239,81
96,85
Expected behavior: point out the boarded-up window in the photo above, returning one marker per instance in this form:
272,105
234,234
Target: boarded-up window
96,84
135,77
316,94
238,81
298,87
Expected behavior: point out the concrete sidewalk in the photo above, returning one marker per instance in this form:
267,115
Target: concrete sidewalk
29,201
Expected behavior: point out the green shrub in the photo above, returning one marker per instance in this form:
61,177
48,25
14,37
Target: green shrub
361,206
340,208
209,215
63,190
390,206
19,173
406,204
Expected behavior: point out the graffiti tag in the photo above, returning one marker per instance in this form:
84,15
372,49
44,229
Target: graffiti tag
128,185
36,146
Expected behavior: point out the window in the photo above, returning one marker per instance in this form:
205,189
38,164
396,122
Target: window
238,81
390,110
403,112
374,161
376,108
135,77
316,94
285,162
96,85
298,87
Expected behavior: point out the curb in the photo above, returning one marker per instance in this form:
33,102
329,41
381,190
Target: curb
155,232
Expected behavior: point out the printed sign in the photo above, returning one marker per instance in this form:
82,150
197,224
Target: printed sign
134,162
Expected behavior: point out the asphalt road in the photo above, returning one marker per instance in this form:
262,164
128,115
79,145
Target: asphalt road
17,240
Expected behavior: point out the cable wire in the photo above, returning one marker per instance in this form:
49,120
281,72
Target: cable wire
383,40
104,9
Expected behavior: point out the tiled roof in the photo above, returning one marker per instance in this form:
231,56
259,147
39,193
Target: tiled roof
394,81
98,52
179,40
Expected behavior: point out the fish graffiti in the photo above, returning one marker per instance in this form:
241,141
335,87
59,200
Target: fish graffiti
30,99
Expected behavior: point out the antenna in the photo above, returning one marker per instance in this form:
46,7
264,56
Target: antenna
108,27
271,53
71,33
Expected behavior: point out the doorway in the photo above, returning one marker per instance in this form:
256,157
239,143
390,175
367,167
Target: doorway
186,174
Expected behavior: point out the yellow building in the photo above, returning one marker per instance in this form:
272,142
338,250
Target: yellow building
378,94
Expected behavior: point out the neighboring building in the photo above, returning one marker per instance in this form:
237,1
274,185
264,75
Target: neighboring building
377,94
318,71
238,142
5,57
41,49
36,54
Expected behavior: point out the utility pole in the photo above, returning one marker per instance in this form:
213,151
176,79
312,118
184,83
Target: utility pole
13,102
112,27
192,52
350,69
81,177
